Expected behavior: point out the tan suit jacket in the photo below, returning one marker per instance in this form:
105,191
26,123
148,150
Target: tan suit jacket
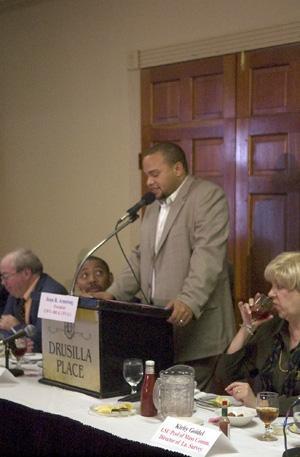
190,265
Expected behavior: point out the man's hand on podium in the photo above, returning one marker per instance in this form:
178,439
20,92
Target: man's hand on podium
181,313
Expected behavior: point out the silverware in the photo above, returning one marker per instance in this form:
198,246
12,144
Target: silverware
204,405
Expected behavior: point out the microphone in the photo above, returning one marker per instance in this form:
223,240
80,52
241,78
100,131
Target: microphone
294,452
28,331
148,198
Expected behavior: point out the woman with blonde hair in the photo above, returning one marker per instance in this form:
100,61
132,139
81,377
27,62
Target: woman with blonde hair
265,353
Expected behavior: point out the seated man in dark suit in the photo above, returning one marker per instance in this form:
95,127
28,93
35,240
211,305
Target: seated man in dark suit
23,277
3,298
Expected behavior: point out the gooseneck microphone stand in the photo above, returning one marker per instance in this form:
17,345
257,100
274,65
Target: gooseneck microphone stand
14,371
6,352
294,452
119,227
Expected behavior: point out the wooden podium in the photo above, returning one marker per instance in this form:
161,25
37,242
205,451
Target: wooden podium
88,355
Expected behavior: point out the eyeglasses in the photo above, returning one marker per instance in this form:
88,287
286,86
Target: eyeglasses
6,276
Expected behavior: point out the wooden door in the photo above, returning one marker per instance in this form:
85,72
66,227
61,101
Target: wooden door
193,104
268,162
238,119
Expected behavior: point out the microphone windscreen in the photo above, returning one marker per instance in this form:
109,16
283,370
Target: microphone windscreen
148,198
30,330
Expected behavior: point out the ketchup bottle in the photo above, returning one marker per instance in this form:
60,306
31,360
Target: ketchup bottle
147,406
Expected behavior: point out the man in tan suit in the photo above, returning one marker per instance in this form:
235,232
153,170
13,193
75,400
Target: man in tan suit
181,261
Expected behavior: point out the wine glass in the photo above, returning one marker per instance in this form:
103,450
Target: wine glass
267,409
18,347
133,370
296,416
262,308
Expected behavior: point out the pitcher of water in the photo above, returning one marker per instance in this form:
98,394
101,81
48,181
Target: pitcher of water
173,393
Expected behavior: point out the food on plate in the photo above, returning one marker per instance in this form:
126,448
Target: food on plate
241,415
106,409
121,408
218,401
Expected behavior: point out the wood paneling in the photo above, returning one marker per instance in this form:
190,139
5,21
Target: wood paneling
238,119
166,102
264,100
207,96
268,153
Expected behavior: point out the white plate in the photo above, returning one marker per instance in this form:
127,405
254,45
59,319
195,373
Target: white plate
198,394
209,398
242,415
116,411
31,369
33,357
233,401
293,429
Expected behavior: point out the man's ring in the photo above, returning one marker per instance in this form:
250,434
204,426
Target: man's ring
181,321
238,391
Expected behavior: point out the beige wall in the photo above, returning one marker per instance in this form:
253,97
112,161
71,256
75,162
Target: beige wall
69,113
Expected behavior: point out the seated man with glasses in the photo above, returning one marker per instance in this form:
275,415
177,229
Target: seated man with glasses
21,273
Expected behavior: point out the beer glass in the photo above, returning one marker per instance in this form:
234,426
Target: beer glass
267,409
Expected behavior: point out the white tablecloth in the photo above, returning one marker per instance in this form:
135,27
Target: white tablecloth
29,392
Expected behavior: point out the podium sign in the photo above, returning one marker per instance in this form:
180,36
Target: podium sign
71,352
88,355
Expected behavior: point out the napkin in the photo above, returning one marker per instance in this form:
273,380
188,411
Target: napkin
6,377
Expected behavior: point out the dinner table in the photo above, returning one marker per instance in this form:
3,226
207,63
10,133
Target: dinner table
39,419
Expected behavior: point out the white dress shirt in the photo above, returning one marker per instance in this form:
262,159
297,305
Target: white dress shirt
165,206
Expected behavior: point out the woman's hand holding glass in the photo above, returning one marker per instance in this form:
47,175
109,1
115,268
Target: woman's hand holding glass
256,311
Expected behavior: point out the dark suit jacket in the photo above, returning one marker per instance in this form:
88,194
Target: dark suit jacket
3,298
14,305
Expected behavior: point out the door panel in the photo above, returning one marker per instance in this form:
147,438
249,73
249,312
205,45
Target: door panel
268,153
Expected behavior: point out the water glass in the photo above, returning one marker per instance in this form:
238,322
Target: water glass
133,371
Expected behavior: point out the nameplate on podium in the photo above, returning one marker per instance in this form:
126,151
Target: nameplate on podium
88,355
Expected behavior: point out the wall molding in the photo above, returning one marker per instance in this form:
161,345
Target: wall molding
219,45
7,5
